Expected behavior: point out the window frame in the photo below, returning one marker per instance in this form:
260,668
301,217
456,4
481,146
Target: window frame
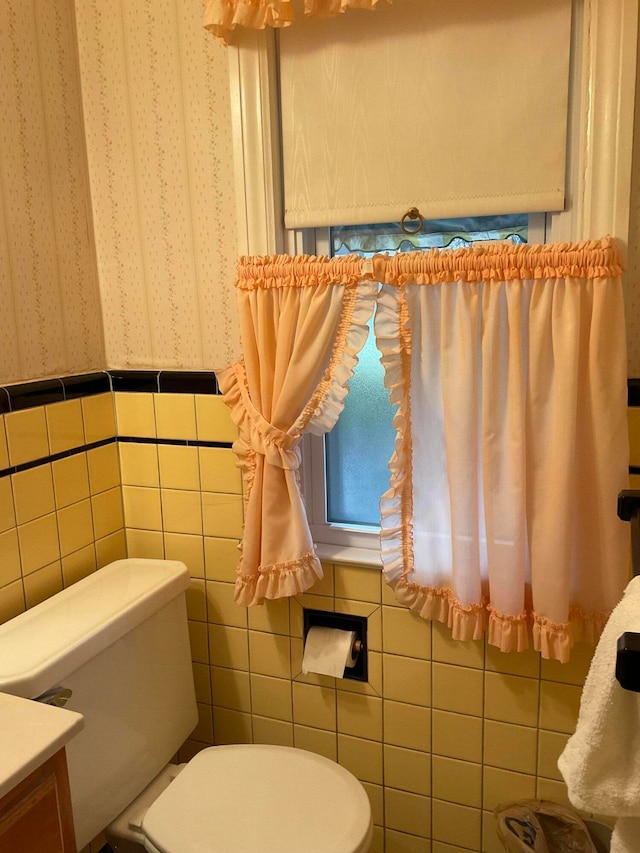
313,446
599,156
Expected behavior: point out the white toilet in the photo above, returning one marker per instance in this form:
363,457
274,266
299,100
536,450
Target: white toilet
118,640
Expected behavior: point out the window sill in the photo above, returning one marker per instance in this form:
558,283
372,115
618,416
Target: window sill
348,554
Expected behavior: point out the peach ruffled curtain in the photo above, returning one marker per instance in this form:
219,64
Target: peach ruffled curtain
221,17
301,328
508,367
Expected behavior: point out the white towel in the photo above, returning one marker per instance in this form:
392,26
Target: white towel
626,835
601,761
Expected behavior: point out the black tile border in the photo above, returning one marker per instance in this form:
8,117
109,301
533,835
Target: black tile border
86,385
176,442
165,381
189,382
135,380
54,457
27,395
40,392
84,448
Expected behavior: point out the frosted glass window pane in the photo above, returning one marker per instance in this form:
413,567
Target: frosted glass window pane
359,447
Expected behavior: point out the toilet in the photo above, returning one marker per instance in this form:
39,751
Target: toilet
118,640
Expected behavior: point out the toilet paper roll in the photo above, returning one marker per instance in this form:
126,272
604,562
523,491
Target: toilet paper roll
327,651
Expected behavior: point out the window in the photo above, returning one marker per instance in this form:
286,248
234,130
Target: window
346,470
599,152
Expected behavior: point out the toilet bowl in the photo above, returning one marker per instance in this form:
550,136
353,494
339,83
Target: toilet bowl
117,643
247,798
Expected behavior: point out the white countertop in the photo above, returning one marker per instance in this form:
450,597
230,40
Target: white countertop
30,733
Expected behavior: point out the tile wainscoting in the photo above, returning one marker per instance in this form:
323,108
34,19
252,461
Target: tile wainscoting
139,463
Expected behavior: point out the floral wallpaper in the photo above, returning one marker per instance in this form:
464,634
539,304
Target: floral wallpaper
117,207
49,299
157,121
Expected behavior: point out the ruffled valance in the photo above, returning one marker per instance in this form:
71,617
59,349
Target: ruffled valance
507,367
221,17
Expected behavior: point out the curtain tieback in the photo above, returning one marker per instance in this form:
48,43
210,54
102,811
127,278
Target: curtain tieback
278,447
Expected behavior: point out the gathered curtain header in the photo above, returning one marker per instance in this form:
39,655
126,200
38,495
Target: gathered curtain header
496,262
223,16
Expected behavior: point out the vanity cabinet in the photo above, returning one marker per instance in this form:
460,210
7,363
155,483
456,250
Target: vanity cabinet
35,817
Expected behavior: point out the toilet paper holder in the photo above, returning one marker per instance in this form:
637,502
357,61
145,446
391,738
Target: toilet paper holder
344,622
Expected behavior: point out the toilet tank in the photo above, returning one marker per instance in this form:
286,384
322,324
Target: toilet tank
119,641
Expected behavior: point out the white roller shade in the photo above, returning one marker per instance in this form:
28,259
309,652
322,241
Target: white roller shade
457,108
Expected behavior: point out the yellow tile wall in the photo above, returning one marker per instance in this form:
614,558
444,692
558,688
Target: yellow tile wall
59,520
442,732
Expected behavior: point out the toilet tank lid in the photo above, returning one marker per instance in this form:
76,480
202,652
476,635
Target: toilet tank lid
52,639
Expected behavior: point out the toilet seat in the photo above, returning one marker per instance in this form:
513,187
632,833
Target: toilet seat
246,798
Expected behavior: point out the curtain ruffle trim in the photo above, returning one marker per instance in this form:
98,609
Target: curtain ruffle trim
553,640
590,259
281,580
396,504
324,409
228,384
223,16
